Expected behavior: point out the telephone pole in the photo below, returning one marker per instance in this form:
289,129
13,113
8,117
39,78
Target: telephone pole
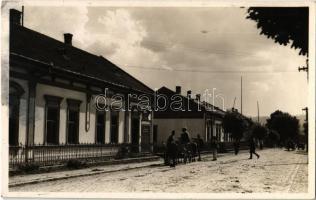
258,110
304,68
241,95
306,127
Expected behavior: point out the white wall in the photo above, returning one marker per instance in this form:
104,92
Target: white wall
84,137
121,127
165,126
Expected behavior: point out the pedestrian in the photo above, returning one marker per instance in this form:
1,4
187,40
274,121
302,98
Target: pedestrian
184,138
252,147
214,146
236,146
171,150
200,144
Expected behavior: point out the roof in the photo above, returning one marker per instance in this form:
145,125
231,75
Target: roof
194,106
42,48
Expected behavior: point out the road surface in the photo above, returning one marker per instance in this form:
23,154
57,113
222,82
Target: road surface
276,170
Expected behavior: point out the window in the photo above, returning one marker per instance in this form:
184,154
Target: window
15,92
14,106
52,110
114,126
100,127
73,121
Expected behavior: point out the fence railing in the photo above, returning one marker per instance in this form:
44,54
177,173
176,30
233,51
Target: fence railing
56,154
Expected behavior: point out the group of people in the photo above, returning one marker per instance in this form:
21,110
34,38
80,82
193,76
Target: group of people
185,140
172,145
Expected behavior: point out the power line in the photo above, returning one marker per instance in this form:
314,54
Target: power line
196,49
208,71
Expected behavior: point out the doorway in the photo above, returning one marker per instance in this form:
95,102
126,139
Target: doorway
135,121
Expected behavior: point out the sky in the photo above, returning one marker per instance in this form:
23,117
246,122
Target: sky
195,48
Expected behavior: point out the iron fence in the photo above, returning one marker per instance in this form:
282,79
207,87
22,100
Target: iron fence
45,155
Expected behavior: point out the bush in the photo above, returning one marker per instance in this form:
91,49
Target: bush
29,167
75,164
123,152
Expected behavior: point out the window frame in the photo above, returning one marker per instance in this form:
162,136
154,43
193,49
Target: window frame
52,102
73,105
117,113
97,113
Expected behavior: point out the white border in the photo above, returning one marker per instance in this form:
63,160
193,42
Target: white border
188,3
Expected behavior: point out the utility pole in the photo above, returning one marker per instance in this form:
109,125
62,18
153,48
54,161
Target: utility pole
234,104
258,110
306,127
241,95
304,68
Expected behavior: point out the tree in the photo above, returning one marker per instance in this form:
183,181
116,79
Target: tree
273,138
286,125
259,132
283,24
235,124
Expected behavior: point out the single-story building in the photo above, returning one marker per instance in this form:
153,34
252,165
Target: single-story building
60,95
197,117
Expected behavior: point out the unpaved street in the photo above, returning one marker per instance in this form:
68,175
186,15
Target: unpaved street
276,171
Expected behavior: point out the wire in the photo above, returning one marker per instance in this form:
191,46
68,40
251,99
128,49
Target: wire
196,49
207,71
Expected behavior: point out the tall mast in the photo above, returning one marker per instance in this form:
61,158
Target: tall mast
241,95
258,110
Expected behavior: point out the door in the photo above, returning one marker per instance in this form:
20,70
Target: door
135,131
146,138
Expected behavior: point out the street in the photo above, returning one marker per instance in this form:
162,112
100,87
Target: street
276,170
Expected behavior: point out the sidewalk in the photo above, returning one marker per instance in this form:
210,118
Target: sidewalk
19,180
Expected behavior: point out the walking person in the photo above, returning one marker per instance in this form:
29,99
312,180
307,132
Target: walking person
200,144
236,146
171,150
252,146
214,146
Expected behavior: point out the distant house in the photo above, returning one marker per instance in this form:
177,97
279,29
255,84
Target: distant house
198,117
53,90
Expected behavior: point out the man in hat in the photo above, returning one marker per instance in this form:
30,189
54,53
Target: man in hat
185,139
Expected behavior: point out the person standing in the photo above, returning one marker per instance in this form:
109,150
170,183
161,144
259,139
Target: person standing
185,139
214,146
200,144
252,147
171,149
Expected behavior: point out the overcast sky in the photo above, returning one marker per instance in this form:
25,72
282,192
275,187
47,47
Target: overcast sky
196,48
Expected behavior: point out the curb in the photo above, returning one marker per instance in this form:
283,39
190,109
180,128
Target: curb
92,173
76,175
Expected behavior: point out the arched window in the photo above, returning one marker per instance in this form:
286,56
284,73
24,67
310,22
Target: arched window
15,93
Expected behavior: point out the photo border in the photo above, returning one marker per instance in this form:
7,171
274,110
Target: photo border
174,3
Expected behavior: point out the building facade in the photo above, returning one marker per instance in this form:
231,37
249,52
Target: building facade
195,116
62,95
